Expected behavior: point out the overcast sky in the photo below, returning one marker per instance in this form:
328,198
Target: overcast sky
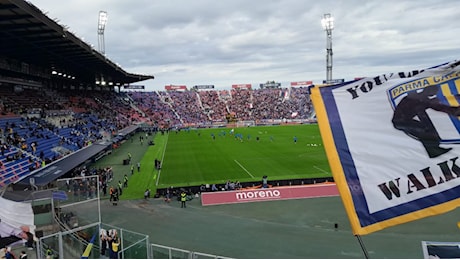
225,42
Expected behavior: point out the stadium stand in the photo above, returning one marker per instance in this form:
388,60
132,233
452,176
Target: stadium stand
41,134
65,121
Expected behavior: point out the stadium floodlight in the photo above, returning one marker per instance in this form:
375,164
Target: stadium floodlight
100,30
102,20
328,25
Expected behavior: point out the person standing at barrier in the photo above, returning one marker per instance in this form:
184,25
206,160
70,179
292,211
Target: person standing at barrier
104,241
104,187
120,188
112,193
115,197
115,247
183,199
125,181
265,182
147,194
168,195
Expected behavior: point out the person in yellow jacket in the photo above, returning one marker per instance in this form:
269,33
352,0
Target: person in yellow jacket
183,199
115,248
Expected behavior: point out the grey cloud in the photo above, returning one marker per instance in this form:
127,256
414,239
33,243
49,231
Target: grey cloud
241,41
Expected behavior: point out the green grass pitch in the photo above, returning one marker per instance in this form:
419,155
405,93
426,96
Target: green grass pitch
194,157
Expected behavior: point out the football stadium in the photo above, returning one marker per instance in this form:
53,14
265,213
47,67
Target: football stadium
93,166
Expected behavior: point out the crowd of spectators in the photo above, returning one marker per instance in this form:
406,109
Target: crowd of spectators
241,103
156,107
188,107
40,127
202,108
213,105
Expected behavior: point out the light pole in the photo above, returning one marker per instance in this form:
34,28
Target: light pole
100,30
328,25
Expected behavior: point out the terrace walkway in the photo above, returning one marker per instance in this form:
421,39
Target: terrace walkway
277,229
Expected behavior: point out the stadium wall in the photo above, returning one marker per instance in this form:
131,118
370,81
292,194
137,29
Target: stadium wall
245,185
264,122
268,194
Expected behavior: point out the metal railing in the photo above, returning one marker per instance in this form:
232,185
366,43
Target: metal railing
167,252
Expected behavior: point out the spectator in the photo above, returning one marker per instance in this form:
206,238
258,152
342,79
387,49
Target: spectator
264,182
10,235
9,253
147,194
125,181
23,255
183,199
115,245
104,240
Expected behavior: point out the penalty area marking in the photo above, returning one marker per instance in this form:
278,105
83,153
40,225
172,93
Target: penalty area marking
316,167
239,164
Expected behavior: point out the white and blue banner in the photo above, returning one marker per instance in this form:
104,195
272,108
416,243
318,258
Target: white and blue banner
393,143
441,250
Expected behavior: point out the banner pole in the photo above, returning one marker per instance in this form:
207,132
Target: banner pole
366,254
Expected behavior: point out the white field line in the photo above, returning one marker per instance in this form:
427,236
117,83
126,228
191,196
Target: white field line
162,160
252,176
316,167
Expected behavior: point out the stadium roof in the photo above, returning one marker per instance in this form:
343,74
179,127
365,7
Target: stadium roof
28,35
58,168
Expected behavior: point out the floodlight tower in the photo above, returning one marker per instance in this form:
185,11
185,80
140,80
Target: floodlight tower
100,30
328,25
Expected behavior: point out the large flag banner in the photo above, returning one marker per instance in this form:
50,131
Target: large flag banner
393,143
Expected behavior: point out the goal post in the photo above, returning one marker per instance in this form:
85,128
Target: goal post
245,123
